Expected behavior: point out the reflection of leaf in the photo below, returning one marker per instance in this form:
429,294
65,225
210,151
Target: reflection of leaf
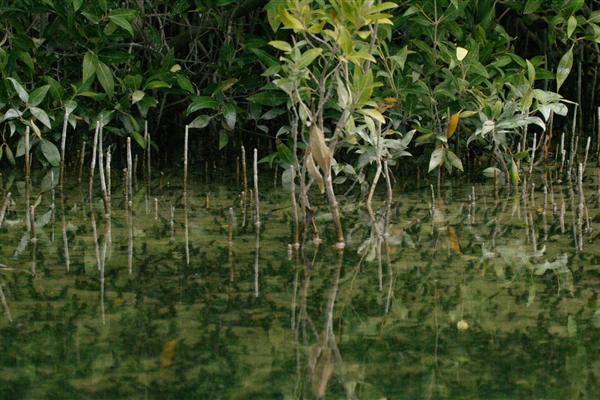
453,239
559,265
168,351
321,373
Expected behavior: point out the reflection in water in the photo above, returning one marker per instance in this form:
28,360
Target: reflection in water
459,294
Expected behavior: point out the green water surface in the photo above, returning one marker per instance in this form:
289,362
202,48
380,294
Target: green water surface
491,297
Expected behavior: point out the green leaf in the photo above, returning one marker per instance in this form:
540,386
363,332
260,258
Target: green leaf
90,62
105,78
26,58
185,83
91,17
115,57
41,116
38,95
230,114
284,152
400,57
288,21
126,13
514,172
564,68
226,84
123,23
223,138
454,160
345,40
23,42
273,17
571,25
200,122
532,6
308,57
133,81
523,154
437,158
575,5
411,10
269,98
9,155
77,5
20,90
155,85
491,172
50,151
530,72
201,103
270,158
477,68
265,57
56,90
139,139
137,96
281,45
70,106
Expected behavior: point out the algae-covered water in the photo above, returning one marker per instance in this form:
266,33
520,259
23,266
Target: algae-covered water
473,294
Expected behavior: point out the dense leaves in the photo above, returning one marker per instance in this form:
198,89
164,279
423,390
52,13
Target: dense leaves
239,65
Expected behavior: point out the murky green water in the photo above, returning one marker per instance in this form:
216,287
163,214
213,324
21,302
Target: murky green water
490,298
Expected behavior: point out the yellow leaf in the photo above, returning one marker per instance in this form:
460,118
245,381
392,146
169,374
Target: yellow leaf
386,21
364,34
288,21
224,88
453,239
373,113
316,29
452,124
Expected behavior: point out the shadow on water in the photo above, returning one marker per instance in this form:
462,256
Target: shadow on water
471,294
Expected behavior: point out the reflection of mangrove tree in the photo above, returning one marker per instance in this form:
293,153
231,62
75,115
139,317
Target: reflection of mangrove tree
468,294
